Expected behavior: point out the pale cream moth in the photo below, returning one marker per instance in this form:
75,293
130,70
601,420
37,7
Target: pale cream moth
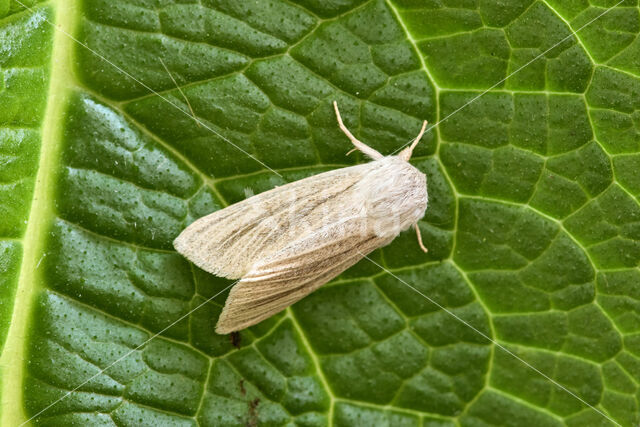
286,242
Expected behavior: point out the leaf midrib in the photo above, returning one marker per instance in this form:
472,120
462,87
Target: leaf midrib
41,214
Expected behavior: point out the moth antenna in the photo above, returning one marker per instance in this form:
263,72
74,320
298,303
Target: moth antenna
364,148
407,152
422,246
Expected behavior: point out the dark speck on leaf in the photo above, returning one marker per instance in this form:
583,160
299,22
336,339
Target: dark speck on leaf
253,413
235,339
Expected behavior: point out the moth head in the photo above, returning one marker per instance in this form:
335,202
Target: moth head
407,152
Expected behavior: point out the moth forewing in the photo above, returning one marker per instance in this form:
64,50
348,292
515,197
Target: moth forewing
294,272
288,241
230,241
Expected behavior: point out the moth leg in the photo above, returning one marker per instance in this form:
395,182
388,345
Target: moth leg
406,153
424,249
358,144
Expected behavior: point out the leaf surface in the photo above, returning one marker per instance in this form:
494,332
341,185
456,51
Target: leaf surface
533,226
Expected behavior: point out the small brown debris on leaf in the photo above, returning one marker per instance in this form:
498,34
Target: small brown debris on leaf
235,339
253,413
242,389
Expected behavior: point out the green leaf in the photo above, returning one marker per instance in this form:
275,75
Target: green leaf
525,311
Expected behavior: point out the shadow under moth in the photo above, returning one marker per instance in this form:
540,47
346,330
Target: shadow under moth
287,242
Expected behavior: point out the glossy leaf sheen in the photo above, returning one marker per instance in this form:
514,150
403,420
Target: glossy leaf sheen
533,224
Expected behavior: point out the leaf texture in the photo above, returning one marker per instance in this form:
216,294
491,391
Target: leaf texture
533,227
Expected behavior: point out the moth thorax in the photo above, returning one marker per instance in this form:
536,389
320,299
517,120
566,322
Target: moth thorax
397,198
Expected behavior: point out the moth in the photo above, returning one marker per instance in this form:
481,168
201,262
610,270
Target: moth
287,242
